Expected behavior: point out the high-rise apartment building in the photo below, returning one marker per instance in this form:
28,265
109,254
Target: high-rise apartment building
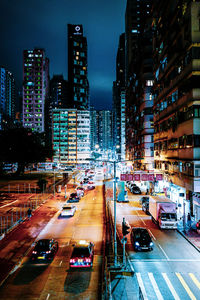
104,130
35,88
7,98
71,136
139,84
77,68
119,101
176,48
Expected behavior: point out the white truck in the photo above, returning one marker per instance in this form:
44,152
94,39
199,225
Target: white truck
163,212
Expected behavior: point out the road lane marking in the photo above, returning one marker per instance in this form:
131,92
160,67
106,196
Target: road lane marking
60,263
164,252
186,287
152,234
47,296
140,218
195,280
164,259
155,286
176,297
141,285
8,204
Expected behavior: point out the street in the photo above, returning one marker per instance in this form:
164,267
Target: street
55,280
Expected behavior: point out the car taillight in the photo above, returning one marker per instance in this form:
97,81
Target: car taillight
88,260
72,260
48,252
34,252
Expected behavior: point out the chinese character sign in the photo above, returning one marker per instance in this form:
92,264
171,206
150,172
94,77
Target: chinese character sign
159,177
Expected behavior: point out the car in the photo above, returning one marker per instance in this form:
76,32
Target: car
68,211
45,249
80,191
82,255
73,198
144,199
90,182
145,207
132,185
135,190
141,239
90,187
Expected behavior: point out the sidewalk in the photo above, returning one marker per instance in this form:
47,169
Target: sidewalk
190,234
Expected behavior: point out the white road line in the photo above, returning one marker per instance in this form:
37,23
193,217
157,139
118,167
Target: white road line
156,289
141,219
176,297
164,252
47,296
141,285
60,263
8,204
152,234
164,259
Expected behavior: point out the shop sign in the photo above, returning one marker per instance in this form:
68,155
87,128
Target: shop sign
150,177
159,177
123,177
144,177
129,177
136,177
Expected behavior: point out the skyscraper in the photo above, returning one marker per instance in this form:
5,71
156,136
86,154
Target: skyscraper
7,97
35,88
119,101
77,68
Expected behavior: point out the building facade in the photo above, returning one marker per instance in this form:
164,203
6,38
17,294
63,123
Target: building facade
7,98
35,88
77,68
139,85
176,48
119,102
71,136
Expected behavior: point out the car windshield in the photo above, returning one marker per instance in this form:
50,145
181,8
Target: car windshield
73,195
141,234
80,252
67,208
168,216
43,244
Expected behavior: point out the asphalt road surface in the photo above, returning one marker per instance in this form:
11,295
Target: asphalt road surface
172,269
56,280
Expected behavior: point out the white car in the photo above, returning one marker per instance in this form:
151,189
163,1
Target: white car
68,210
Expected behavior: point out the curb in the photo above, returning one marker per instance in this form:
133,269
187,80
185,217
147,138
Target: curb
181,233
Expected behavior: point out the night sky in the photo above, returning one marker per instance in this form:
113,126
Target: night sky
26,24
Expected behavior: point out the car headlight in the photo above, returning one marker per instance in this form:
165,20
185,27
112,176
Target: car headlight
137,244
151,244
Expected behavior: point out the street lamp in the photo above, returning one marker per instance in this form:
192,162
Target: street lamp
115,207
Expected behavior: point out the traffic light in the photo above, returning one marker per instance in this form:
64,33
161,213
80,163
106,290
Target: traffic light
125,227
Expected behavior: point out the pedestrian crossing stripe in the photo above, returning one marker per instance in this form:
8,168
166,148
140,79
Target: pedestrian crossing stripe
155,286
195,280
176,297
186,287
169,284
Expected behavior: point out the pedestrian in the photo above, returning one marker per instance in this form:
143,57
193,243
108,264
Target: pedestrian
189,220
29,212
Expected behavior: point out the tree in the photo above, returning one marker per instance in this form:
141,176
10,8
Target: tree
22,146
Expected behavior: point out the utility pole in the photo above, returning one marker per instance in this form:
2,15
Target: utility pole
115,218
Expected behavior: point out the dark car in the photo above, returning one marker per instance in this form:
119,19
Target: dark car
73,198
44,249
90,187
135,190
141,239
82,255
144,199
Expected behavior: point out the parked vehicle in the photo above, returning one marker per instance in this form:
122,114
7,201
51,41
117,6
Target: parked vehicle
82,255
163,212
44,249
141,239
